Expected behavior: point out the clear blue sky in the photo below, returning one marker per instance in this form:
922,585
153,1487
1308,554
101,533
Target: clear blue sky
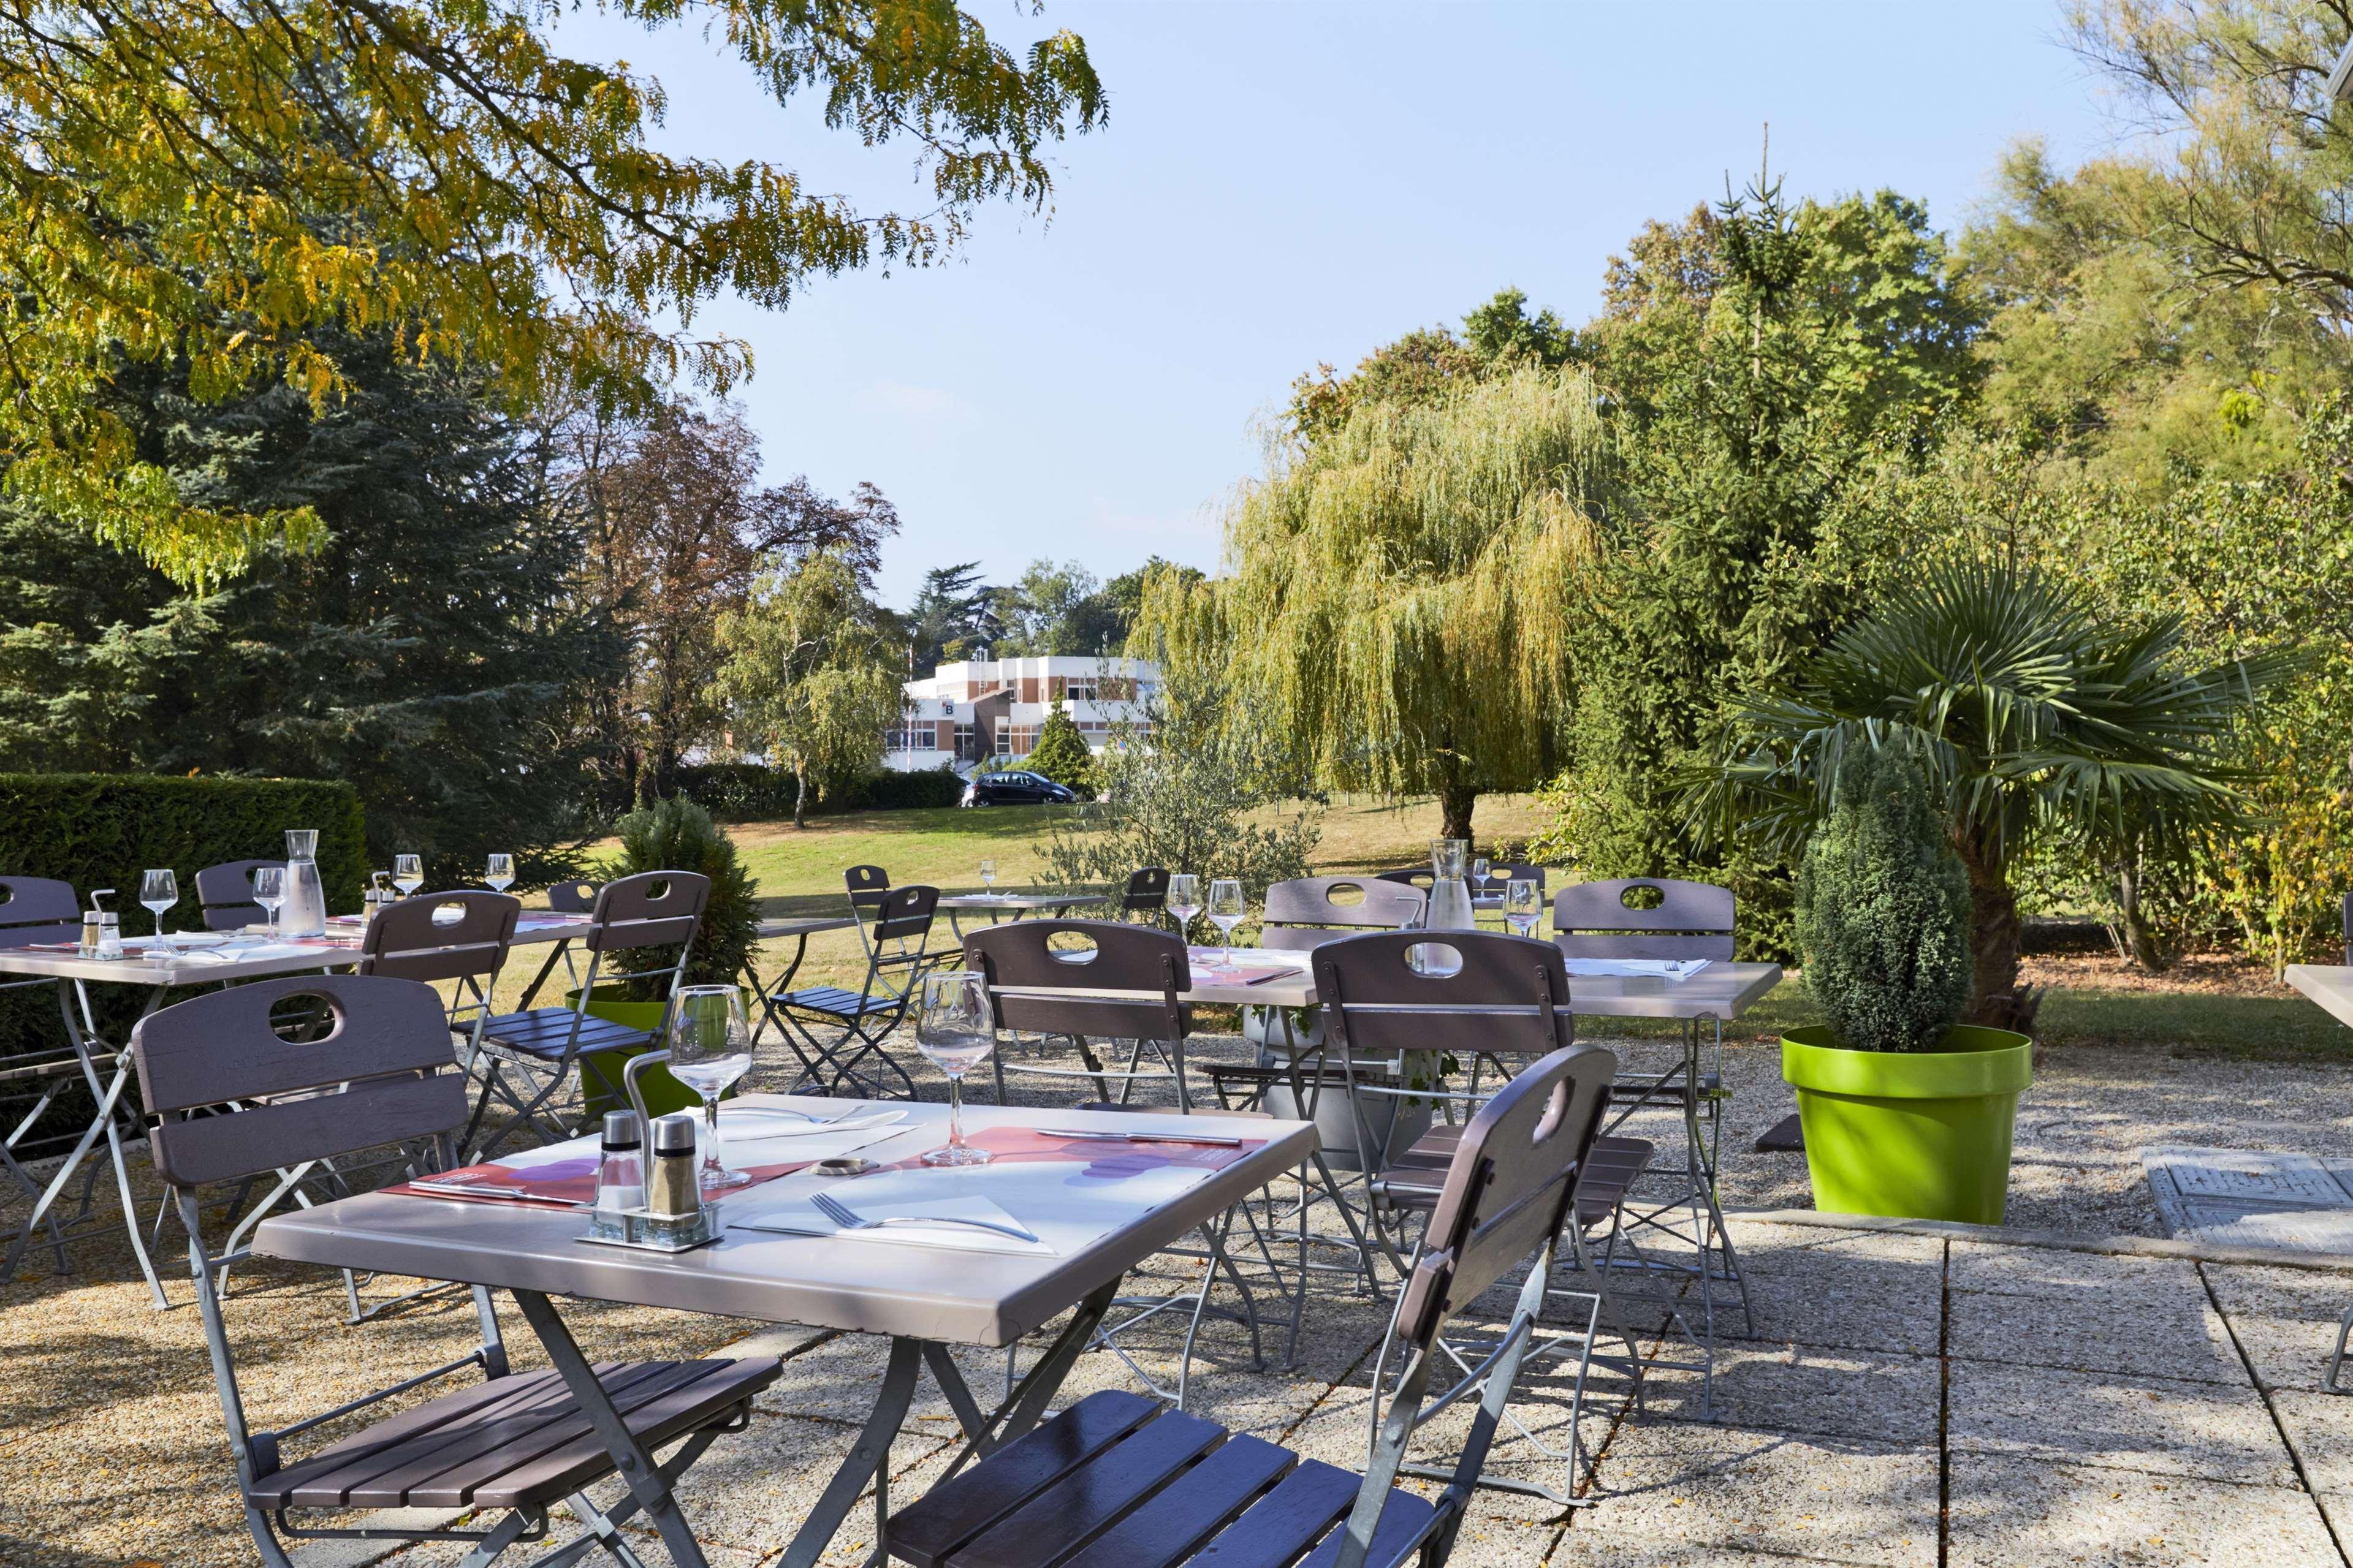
1284,183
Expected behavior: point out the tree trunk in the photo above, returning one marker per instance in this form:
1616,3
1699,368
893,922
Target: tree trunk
2143,946
800,797
1997,1000
1455,803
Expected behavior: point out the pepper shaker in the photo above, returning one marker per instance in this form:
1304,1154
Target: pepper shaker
672,1192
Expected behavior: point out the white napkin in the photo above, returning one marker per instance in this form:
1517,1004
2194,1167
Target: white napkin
755,1124
1666,968
802,1218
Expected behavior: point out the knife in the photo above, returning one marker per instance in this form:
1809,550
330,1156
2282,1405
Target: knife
1142,1137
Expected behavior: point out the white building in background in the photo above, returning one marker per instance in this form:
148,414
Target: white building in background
993,708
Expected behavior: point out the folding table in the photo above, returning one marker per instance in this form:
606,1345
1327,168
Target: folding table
1017,905
106,1065
923,1298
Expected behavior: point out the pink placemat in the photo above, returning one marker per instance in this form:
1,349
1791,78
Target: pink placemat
1104,1160
562,1183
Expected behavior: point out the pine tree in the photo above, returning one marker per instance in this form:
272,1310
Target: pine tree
1061,753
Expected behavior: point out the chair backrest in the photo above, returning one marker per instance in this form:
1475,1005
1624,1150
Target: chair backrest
1499,872
652,908
441,936
1148,891
904,915
1309,911
224,894
37,909
386,1047
572,898
1409,875
1473,992
867,884
1690,919
1031,979
1508,1191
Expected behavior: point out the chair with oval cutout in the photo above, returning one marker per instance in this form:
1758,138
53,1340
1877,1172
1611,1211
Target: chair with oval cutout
530,1059
1146,894
231,1098
1089,980
224,894
1402,995
37,910
1114,1482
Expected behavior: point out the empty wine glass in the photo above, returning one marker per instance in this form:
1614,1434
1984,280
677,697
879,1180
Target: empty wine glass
1522,906
955,1035
269,892
709,1048
1184,899
1478,876
501,874
988,875
407,873
159,890
1225,912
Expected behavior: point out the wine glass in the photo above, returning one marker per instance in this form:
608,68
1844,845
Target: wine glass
1522,906
500,875
407,873
1478,876
988,875
159,890
269,892
1225,912
709,1048
1184,899
954,1033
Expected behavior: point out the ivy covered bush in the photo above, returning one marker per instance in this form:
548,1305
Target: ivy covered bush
1883,919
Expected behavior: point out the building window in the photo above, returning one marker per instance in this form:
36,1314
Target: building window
1003,737
1080,688
964,741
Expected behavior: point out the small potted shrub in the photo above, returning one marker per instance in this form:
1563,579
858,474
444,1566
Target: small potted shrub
1906,1112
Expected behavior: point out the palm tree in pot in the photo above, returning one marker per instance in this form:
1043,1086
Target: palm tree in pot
2025,707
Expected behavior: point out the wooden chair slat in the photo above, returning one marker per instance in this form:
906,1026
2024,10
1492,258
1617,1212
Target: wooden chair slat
1693,920
446,1467
284,1132
676,1411
357,1468
414,940
652,908
1633,944
925,1531
905,914
1286,1522
1364,978
1307,901
1024,972
1191,1509
219,1047
1068,1515
494,1396
1402,1519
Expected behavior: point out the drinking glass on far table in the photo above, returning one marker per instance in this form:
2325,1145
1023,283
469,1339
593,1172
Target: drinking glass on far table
407,873
1225,912
1183,901
499,876
159,890
955,1034
269,892
1479,877
988,875
1523,906
709,1048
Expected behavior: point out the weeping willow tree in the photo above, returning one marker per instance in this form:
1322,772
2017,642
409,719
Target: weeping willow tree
1395,596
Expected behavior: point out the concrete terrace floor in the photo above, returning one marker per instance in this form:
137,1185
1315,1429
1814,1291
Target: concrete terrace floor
1904,1399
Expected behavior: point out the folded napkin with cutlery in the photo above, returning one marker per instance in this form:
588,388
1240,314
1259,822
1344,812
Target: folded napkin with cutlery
1662,968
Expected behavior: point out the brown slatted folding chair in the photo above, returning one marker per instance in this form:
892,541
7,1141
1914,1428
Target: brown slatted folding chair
1501,874
1421,877
37,910
529,1059
572,898
855,1022
1481,996
1049,977
1117,1481
224,894
231,1099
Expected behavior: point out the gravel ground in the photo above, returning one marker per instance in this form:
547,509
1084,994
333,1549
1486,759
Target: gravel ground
1827,1435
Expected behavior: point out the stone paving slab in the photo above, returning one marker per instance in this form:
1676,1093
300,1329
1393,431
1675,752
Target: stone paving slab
2028,1513
2162,1427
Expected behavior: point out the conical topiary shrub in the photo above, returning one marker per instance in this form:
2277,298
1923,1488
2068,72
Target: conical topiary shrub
1883,910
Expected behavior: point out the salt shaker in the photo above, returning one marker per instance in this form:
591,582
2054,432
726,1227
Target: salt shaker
109,940
620,1174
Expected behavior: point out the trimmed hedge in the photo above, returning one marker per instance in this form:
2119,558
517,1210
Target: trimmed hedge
101,830
746,792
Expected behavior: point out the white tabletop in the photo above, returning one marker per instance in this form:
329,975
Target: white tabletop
1014,900
250,957
804,925
1723,991
860,1284
2330,985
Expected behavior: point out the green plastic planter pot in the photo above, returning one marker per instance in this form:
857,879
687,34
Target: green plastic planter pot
601,1070
1910,1134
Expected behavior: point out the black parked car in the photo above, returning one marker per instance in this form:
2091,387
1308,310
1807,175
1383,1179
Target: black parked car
1016,789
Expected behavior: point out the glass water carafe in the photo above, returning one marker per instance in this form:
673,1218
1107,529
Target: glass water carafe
304,913
1450,895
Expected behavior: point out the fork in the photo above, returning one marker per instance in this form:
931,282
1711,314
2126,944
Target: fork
828,1205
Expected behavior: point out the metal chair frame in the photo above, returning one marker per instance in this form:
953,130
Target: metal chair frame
632,914
34,910
224,894
896,957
